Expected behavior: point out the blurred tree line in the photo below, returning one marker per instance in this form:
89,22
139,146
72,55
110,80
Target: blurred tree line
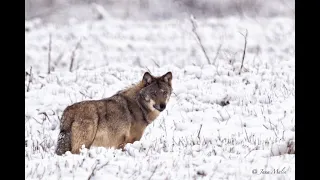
166,8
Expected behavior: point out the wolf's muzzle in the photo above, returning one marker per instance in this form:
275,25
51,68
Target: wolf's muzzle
160,107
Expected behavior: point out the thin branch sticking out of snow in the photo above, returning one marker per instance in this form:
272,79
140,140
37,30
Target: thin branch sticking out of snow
30,79
244,49
73,55
49,53
199,131
153,172
217,54
194,30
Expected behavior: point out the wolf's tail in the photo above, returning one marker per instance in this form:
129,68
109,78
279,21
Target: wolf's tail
64,138
64,142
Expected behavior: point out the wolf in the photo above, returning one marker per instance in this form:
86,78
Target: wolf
117,120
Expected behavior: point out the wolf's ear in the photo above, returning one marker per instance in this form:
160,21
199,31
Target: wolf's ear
167,77
147,78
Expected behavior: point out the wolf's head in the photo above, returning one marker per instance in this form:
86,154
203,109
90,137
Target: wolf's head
156,91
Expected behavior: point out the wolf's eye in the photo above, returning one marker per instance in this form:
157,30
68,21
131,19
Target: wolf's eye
165,92
153,93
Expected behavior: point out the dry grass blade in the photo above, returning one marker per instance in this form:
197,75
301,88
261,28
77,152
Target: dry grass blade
244,49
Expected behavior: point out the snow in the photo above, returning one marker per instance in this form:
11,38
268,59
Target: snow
199,135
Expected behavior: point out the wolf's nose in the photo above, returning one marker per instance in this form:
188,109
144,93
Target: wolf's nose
162,107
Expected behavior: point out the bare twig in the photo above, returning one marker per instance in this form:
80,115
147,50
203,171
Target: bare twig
247,135
73,55
157,64
265,126
49,53
148,69
199,131
30,79
37,120
244,49
45,115
90,97
153,172
194,29
273,128
58,59
217,54
95,169
250,152
220,114
228,115
103,165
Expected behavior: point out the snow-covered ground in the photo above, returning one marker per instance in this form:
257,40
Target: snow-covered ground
219,124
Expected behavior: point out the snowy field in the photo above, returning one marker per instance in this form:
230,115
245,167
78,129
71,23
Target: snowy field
219,124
